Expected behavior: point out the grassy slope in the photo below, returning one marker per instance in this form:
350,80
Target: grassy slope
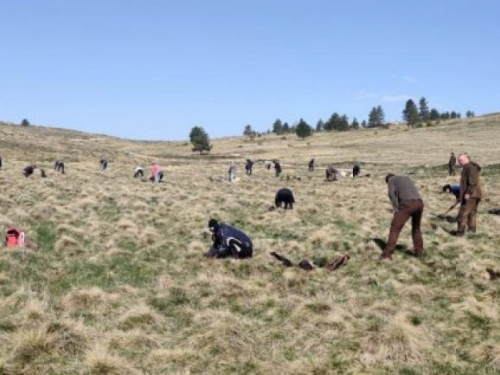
117,284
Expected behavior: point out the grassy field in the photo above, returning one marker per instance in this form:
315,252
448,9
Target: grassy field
114,281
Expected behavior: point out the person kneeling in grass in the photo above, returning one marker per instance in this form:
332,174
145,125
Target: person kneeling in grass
228,242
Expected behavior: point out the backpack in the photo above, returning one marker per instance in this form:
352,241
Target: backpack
14,237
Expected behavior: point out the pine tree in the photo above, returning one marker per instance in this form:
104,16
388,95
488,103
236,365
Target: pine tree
200,140
423,111
410,114
303,129
278,127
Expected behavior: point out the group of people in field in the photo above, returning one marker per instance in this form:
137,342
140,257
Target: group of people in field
406,200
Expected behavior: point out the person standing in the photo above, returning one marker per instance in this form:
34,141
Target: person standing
355,171
406,202
470,195
232,172
277,169
248,167
311,165
451,164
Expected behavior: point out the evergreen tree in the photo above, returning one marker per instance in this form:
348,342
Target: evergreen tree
469,114
249,132
343,123
303,129
320,125
200,140
410,114
423,111
286,128
25,122
355,124
278,127
376,117
434,114
364,124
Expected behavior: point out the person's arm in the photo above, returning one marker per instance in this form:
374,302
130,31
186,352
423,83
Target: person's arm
391,187
472,182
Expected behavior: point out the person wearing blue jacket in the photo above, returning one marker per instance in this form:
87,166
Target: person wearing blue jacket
452,189
228,242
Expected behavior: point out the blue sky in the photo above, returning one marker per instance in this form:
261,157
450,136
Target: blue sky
145,69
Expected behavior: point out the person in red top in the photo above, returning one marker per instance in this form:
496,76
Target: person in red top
156,173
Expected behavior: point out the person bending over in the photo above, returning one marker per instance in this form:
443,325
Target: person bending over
228,242
284,197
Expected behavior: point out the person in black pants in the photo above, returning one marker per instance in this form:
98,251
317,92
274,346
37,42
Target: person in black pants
228,242
59,166
284,196
277,168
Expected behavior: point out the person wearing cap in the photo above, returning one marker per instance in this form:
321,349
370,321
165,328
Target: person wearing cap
406,202
452,189
228,242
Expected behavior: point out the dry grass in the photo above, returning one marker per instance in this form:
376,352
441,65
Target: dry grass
115,281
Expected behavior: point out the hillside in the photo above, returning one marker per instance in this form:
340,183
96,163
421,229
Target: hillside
113,280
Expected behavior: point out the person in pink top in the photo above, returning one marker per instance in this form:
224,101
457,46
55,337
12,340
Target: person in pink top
156,173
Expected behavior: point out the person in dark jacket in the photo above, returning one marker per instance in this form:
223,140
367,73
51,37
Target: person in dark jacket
406,202
59,166
28,171
228,242
311,165
284,196
277,168
332,174
355,171
451,164
248,167
104,163
470,195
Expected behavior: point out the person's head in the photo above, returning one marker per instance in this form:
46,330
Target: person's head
463,159
447,188
452,154
213,225
388,177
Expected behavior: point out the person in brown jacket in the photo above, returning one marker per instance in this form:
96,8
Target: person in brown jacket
470,194
406,202
451,164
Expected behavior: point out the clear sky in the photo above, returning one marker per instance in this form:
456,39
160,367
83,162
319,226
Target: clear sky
153,69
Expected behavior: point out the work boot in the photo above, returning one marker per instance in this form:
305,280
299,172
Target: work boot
459,233
386,256
418,253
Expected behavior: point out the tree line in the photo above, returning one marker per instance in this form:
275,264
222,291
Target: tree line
413,116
